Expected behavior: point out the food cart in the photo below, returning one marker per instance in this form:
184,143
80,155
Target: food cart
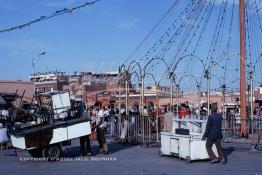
185,139
49,127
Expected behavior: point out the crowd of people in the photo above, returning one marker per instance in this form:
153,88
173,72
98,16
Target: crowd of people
99,116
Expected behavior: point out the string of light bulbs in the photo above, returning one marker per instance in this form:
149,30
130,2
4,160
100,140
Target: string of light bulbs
52,15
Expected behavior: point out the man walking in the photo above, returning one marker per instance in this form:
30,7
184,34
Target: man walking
213,134
100,129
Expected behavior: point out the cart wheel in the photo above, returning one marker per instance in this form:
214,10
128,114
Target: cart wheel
160,153
188,159
44,152
35,152
54,152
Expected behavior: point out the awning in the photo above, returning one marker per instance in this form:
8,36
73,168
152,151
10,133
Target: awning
2,101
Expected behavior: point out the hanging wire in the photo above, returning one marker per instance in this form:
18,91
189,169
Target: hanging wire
173,6
189,28
183,19
52,15
165,37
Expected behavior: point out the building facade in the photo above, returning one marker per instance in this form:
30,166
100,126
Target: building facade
23,89
49,81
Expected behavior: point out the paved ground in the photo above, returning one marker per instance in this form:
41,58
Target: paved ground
130,161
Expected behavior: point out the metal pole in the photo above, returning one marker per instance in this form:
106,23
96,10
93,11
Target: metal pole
127,94
171,91
207,76
140,96
143,93
208,96
198,96
33,63
157,116
119,97
242,68
251,105
223,99
119,88
177,98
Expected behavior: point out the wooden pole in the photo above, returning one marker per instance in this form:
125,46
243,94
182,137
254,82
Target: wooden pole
242,68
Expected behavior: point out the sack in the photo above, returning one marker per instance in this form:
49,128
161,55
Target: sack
182,131
93,135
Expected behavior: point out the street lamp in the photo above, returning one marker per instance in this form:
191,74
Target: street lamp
37,59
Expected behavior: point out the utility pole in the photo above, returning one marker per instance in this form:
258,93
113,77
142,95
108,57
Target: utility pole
242,68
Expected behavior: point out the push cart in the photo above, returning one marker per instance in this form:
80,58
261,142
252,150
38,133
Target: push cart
188,146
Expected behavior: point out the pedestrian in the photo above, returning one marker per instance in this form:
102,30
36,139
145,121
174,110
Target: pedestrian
3,137
123,135
213,135
106,118
100,129
85,144
122,111
183,113
112,120
5,113
145,111
4,116
93,114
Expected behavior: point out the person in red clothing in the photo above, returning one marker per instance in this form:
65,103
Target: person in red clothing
183,113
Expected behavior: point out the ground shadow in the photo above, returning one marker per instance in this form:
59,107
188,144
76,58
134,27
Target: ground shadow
228,150
74,151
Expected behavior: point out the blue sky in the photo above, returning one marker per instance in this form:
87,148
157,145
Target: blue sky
94,38
100,38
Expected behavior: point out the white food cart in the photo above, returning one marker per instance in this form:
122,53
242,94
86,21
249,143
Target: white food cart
189,147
